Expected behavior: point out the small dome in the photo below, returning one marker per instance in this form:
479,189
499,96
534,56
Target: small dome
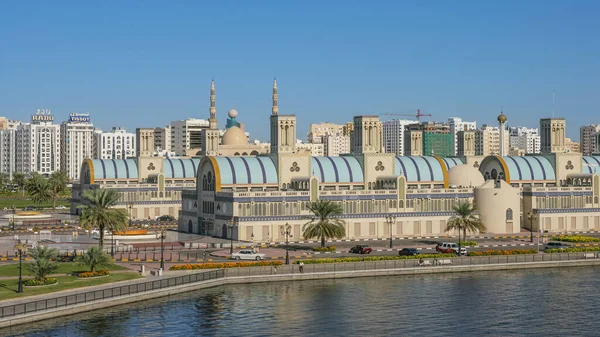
465,175
234,136
502,118
233,113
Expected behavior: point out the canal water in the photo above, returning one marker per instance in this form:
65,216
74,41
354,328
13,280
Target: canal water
542,302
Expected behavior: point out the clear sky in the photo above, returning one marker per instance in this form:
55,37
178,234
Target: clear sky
146,63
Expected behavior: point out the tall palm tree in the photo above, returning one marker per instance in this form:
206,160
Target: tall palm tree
19,180
58,183
325,224
99,211
465,220
38,188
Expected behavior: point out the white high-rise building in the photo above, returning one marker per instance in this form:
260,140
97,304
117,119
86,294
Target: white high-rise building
393,135
487,141
335,144
186,136
8,151
77,138
38,145
457,124
526,139
588,139
116,144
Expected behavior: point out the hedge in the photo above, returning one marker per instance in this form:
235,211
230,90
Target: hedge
216,265
575,238
87,274
37,283
374,258
468,243
324,249
503,252
572,250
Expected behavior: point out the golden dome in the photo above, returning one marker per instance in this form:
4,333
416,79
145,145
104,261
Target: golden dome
502,118
234,136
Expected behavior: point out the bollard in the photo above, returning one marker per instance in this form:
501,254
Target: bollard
142,269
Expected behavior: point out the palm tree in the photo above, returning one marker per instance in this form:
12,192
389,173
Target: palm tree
4,179
465,220
99,212
38,188
58,183
19,180
95,257
325,224
42,264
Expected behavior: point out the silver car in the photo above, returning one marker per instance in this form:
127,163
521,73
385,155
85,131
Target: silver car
247,254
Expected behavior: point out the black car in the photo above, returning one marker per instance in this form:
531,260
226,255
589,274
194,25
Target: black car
556,245
361,249
409,252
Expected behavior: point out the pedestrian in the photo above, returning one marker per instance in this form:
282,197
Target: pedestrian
301,267
204,254
421,261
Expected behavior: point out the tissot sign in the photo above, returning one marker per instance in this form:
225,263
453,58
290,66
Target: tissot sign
79,118
42,115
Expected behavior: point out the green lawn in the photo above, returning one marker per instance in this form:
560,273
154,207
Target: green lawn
8,288
65,268
20,203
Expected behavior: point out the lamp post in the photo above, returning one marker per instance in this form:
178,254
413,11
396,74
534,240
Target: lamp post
162,235
532,217
390,219
112,244
130,213
13,209
252,238
287,231
21,249
231,225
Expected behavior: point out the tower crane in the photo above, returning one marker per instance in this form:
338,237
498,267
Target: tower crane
418,115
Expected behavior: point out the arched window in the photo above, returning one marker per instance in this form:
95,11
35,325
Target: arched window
509,214
494,174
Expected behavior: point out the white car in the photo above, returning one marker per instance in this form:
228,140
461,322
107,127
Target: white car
61,207
247,254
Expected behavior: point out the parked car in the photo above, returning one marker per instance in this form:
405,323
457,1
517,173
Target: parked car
165,218
409,252
247,254
450,248
361,249
61,207
556,245
29,208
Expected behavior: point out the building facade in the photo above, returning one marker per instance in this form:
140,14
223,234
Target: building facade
116,144
8,148
38,145
77,140
526,139
589,139
457,124
393,135
186,136
428,138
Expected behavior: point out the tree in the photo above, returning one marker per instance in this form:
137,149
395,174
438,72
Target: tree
42,265
95,257
465,220
58,183
20,180
38,188
99,212
4,180
325,224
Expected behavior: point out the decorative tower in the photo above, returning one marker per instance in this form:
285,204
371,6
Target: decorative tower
367,135
553,135
210,136
275,108
502,126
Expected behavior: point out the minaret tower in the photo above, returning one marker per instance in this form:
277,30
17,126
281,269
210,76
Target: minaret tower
502,127
275,108
213,107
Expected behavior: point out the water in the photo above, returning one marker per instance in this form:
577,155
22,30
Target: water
543,302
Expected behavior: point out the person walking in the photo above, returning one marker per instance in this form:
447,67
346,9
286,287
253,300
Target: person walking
301,267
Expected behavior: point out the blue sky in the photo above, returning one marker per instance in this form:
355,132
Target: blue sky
145,63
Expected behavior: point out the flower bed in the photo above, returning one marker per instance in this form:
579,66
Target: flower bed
91,274
376,258
503,252
225,265
572,250
324,249
575,238
36,283
131,232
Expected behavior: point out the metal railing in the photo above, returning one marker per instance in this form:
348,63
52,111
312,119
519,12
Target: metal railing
96,295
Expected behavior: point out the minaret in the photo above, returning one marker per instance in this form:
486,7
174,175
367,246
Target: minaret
275,108
502,126
213,107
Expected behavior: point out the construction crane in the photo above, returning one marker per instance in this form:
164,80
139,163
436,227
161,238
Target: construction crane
418,115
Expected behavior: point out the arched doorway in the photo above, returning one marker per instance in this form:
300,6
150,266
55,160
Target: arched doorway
224,231
190,226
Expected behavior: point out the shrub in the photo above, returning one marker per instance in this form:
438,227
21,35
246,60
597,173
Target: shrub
572,250
42,264
37,283
324,249
468,243
375,258
95,257
217,265
503,252
87,274
575,238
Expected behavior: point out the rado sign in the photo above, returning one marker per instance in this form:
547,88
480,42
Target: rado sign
42,115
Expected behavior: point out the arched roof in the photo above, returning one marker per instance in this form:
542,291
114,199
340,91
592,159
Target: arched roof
245,170
591,164
424,168
526,168
180,167
342,169
115,168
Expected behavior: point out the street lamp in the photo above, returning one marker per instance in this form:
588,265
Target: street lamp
390,219
21,249
231,225
532,217
287,231
130,213
252,238
162,235
112,244
13,209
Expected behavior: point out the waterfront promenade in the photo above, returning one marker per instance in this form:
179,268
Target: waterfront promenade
35,308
